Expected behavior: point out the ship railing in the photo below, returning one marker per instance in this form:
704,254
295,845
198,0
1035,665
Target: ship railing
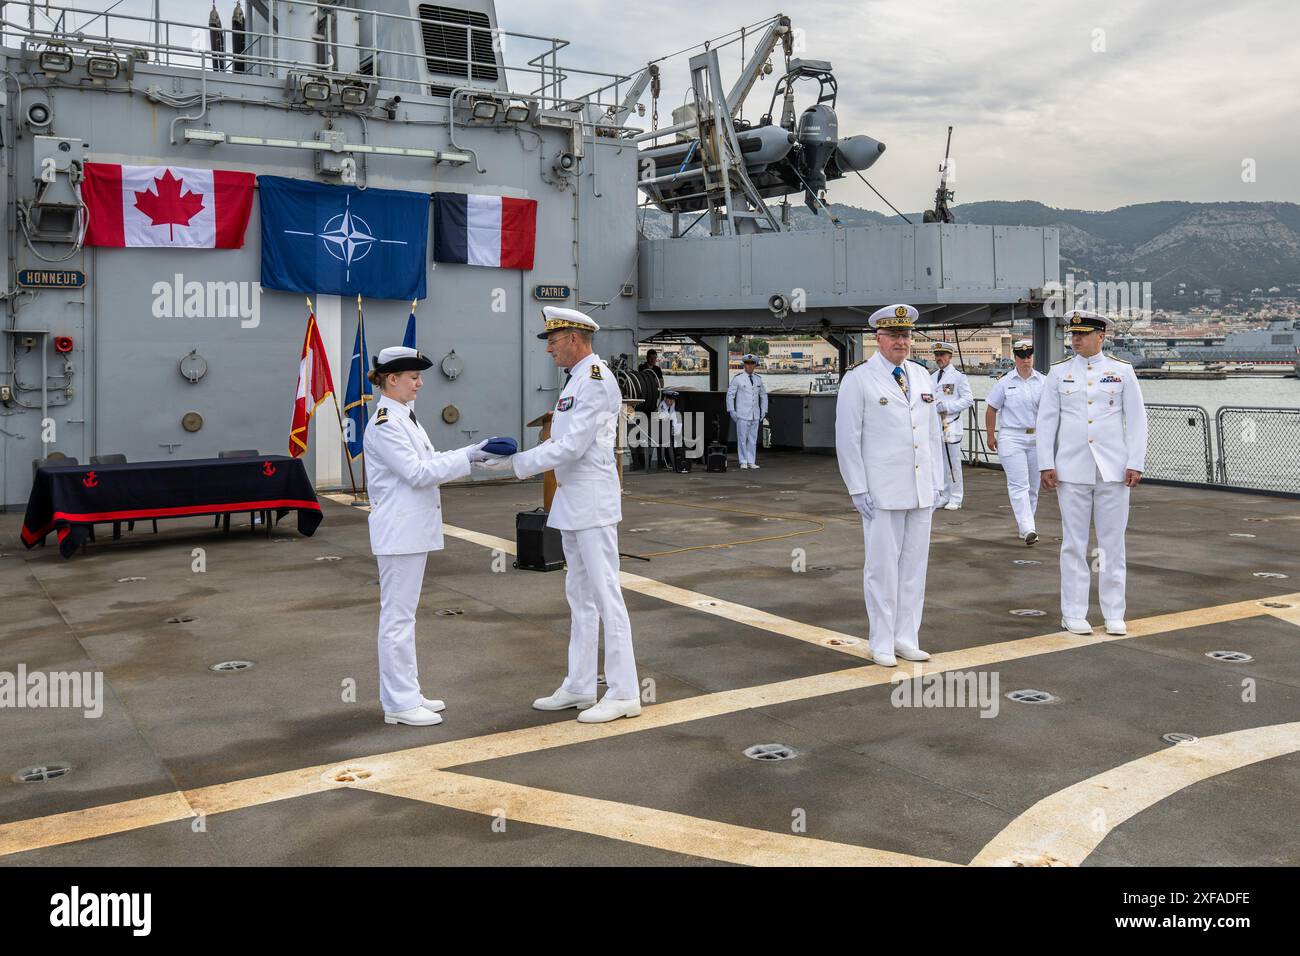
1247,449
186,44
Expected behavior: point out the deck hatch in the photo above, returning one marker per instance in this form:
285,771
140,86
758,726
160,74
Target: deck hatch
42,773
1031,696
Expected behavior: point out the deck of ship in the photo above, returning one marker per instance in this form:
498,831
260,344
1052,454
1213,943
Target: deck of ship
276,765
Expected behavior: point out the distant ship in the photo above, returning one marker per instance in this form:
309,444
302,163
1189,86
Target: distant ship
1276,346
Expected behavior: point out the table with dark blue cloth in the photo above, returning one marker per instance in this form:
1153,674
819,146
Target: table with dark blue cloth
71,499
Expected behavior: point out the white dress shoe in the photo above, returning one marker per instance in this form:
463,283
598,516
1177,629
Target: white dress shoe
916,655
436,706
1116,627
885,660
1031,537
952,506
611,709
754,467
563,700
1076,625
415,717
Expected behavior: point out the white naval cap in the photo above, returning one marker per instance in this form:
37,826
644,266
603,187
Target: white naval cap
943,347
1021,345
556,317
1081,320
400,358
749,357
899,316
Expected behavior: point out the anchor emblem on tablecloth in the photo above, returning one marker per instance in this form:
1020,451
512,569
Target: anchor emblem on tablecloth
268,469
90,481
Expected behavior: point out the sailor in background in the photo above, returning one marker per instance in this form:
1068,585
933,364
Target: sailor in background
1092,442
952,397
403,473
747,405
587,509
888,441
1010,421
668,427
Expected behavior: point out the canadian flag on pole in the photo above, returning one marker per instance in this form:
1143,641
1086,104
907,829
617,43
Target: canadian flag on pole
166,206
315,384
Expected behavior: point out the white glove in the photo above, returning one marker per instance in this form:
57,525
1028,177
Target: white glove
477,455
866,507
496,464
943,409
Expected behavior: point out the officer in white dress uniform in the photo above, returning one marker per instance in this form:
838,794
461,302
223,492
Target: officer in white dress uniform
1010,422
587,509
747,404
952,397
1092,442
403,473
888,441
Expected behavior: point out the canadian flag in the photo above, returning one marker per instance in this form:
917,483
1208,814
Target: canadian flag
166,206
315,384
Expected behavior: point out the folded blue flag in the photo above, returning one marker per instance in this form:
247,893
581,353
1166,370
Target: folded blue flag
340,240
501,446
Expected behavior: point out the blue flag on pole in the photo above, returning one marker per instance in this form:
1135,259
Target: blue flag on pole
358,393
340,240
408,339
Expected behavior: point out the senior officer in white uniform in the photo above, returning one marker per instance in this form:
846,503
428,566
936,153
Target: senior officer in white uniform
1092,443
1010,422
403,474
952,397
587,509
747,404
888,441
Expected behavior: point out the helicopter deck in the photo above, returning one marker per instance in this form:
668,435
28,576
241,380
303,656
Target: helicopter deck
750,629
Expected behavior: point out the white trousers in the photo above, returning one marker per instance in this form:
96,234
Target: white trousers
893,580
400,579
1105,505
1019,455
952,483
746,440
591,585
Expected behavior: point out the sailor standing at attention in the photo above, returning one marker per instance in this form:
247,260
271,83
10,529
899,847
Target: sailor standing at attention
403,473
1010,422
587,509
888,440
747,403
953,396
1092,443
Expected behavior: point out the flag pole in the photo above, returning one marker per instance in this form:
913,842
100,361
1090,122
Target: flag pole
339,412
365,370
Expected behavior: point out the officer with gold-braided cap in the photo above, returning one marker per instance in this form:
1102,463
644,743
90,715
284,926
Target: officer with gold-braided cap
1092,443
888,440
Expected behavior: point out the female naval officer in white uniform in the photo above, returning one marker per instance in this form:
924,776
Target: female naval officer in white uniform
403,474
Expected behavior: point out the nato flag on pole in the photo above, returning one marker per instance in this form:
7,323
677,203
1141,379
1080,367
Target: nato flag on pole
358,392
340,240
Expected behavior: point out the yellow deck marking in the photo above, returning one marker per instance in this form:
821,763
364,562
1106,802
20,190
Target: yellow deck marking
661,829
1289,614
1064,828
396,766
92,822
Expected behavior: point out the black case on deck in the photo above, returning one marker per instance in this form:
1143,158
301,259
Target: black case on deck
716,456
537,547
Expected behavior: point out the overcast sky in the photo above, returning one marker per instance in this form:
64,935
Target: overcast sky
1080,104
1181,94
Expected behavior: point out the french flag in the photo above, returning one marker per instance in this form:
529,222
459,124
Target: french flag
492,231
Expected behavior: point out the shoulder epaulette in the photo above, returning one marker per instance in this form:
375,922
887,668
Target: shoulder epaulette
1118,359
1066,359
381,416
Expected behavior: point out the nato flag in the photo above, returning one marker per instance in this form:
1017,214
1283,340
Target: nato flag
340,240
